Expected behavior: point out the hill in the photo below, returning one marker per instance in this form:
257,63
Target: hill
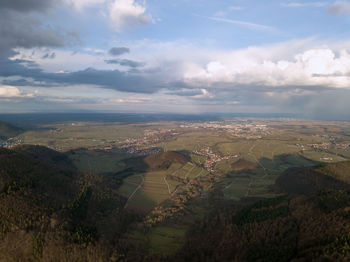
306,180
149,181
50,212
339,170
310,223
307,228
163,160
8,130
45,156
242,164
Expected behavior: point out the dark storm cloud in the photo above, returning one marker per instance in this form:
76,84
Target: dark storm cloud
18,30
28,5
117,51
111,79
20,26
125,62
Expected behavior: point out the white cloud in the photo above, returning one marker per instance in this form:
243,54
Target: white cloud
224,13
204,94
235,8
249,25
128,13
180,64
340,7
305,4
9,91
81,4
319,66
131,100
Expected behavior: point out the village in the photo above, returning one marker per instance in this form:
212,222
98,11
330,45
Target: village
326,146
11,142
212,158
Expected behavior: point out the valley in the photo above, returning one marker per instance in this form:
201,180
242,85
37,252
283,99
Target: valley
170,176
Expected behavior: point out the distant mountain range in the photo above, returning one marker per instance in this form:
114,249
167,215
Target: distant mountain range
49,118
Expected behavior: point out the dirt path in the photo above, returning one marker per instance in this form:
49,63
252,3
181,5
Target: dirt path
258,162
166,182
189,171
249,187
228,186
133,193
199,173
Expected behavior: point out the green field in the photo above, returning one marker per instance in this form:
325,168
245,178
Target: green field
98,161
146,191
286,144
175,188
166,239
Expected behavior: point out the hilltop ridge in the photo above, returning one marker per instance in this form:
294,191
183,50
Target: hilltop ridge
7,130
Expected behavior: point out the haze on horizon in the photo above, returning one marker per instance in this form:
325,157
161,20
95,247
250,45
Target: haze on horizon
175,56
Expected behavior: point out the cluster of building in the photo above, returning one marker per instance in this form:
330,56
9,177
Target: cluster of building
192,189
245,130
11,142
320,146
326,146
156,132
150,137
226,126
212,158
143,151
342,146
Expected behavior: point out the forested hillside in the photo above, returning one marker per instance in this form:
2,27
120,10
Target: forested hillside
50,212
309,223
8,130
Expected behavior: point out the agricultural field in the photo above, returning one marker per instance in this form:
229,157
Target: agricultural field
147,190
173,173
98,161
244,156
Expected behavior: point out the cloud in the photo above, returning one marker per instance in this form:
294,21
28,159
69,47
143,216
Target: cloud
9,91
127,14
131,100
249,25
28,5
339,8
117,51
21,26
18,30
322,67
49,56
125,62
235,8
286,77
305,4
81,4
224,13
111,79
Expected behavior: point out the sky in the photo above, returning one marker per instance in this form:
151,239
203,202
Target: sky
161,56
